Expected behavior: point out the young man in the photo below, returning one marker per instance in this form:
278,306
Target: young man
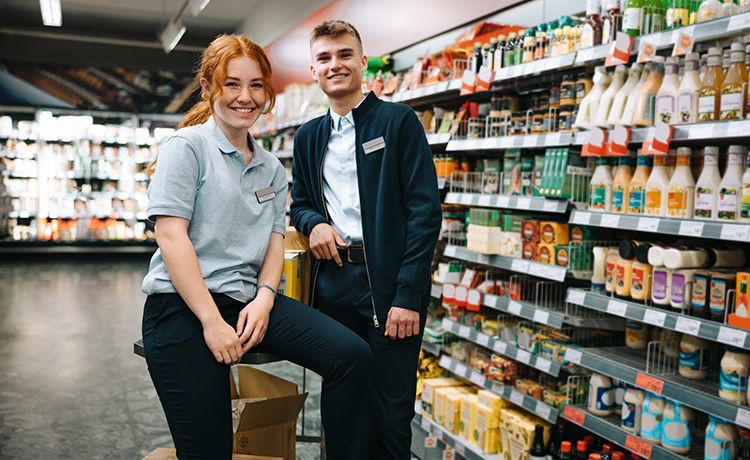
365,192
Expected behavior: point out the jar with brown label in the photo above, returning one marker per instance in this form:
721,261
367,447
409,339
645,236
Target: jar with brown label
566,118
568,91
583,86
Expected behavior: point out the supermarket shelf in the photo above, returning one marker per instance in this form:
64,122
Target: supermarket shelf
442,89
431,348
528,141
551,272
436,291
419,442
535,67
502,347
441,182
438,139
77,247
506,392
653,224
609,429
462,447
703,328
629,366
519,203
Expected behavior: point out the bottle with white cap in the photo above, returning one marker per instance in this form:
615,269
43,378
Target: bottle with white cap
707,187
745,204
666,98
730,189
681,188
687,97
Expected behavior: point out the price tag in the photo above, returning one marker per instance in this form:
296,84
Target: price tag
538,270
523,203
483,258
450,251
646,51
648,224
503,201
649,383
445,362
550,206
574,415
684,42
463,331
474,299
619,139
542,410
519,265
690,228
654,317
483,339
596,143
737,22
449,453
585,55
485,200
688,326
449,291
638,446
461,370
573,356
478,379
660,140
701,131
523,356
514,308
581,218
460,449
731,336
441,182
468,82
543,365
461,294
576,296
484,79
530,141
430,441
437,291
425,424
516,398
734,232
500,347
610,220
617,308
490,301
743,418
541,317
620,51
553,140
465,198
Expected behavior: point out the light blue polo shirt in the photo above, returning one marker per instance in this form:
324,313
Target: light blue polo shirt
202,178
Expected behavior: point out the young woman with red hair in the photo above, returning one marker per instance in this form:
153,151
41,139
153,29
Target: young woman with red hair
219,203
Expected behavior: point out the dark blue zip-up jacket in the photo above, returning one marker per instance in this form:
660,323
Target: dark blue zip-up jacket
398,194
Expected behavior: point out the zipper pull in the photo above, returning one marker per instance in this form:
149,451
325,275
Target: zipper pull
375,320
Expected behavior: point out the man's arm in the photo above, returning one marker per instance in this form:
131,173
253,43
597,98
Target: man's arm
303,214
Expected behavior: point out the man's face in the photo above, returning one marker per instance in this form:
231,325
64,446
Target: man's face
337,65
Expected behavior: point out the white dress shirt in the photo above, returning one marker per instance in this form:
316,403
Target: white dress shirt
340,186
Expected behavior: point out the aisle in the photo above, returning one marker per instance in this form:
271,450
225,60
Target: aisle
70,385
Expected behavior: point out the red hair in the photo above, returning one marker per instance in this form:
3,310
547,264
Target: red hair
214,62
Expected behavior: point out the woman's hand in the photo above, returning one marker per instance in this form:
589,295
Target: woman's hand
222,340
253,321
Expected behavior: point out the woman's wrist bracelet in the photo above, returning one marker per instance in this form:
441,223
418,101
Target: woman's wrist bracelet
267,286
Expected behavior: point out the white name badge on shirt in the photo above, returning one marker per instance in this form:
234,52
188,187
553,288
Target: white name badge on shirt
373,145
265,194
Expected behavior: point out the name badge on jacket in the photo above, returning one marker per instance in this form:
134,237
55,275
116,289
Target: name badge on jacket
373,145
265,194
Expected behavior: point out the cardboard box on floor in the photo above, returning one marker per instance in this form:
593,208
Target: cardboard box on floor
170,454
265,410
296,276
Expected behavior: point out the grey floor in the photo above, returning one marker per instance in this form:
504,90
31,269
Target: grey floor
70,385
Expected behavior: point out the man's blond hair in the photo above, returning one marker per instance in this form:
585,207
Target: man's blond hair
335,29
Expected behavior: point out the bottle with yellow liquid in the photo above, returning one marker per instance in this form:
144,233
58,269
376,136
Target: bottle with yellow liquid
637,193
656,188
733,90
709,96
681,190
621,185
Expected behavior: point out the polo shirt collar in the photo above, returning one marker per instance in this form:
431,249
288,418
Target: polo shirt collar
226,147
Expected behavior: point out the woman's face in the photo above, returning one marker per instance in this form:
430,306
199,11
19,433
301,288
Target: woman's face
242,98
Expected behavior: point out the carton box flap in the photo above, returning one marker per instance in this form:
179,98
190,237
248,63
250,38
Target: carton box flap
294,240
254,383
270,412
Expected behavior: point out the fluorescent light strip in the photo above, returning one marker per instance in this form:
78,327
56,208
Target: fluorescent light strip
171,35
196,6
51,12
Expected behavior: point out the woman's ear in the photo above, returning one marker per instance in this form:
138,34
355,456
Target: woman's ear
205,88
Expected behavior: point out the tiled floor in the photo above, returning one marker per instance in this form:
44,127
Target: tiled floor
70,385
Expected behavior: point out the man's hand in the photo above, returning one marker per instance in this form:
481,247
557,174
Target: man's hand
401,323
323,242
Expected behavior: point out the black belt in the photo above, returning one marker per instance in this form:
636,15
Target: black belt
354,253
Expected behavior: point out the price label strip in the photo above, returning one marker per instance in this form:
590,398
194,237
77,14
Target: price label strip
574,415
638,446
688,326
733,337
649,383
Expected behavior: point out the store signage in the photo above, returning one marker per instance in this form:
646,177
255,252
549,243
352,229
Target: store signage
620,51
468,82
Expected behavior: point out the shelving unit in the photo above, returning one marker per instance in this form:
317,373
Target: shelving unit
461,446
516,203
526,267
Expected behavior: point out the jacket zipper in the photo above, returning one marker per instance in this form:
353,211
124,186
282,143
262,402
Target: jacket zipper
325,210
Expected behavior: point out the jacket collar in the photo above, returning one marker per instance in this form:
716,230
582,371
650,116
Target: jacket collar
363,110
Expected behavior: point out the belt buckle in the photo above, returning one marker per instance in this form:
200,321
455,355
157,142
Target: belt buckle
354,260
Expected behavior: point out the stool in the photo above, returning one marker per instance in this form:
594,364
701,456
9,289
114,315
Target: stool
170,454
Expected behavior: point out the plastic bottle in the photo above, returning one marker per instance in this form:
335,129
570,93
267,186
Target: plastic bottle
590,104
605,102
687,95
735,365
612,21
636,335
656,254
721,284
666,98
657,188
681,294
631,22
591,32
730,8
622,97
628,113
661,287
623,278
694,358
676,435
619,391
678,14
529,45
600,197
632,408
678,258
709,10
621,185
640,288
721,439
509,54
726,258
733,88
600,395
669,342
709,96
645,110
566,451
730,189
707,187
637,193
538,449
745,202
611,270
582,450
681,188
600,267
652,418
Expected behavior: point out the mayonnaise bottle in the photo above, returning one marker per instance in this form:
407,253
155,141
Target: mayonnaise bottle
666,98
621,185
656,188
600,395
707,187
730,189
652,418
632,409
622,96
628,114
676,435
590,104
694,357
735,365
687,97
636,335
681,188
600,196
721,439
605,103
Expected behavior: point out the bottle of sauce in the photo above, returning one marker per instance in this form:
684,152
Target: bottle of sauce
733,89
628,113
509,53
622,96
566,450
498,55
681,189
490,62
621,185
721,284
606,100
529,45
631,23
582,450
679,258
590,103
645,110
730,188
637,193
710,10
640,288
745,202
591,32
612,21
707,187
721,439
632,409
666,98
676,435
636,335
735,366
476,57
611,270
687,97
599,277
694,358
681,292
661,291
538,448
709,96
656,188
600,395
624,280
678,14
701,287
651,420
600,196
583,86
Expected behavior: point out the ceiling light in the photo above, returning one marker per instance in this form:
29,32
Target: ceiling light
51,12
171,35
196,6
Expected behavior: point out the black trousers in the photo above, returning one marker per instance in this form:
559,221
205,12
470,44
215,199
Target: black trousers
194,388
343,293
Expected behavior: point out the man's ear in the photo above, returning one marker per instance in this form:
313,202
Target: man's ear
313,73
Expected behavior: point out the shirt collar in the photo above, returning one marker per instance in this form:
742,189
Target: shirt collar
226,147
336,118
